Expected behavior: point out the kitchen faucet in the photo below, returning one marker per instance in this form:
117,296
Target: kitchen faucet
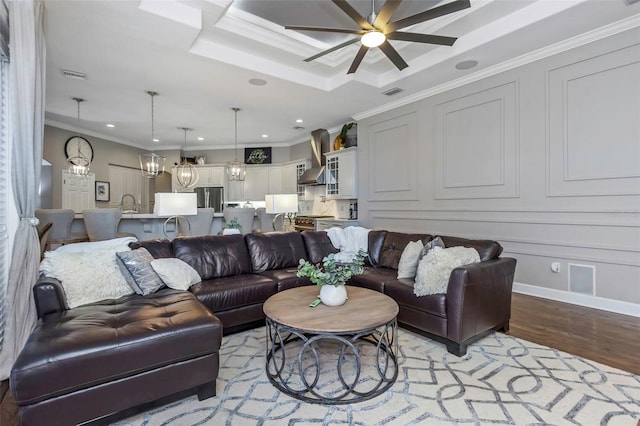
134,208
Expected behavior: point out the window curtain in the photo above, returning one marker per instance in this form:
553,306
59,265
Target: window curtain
26,114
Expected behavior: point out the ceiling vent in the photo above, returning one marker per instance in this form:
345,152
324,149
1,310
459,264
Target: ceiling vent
630,2
392,92
298,128
74,74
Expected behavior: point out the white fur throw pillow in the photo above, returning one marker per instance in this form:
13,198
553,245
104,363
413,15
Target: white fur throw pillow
435,268
87,276
409,259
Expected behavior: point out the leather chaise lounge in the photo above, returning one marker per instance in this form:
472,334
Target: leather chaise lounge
92,362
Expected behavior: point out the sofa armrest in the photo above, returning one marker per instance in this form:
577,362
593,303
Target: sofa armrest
479,298
49,296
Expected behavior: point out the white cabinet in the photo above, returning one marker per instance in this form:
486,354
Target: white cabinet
275,180
125,180
256,183
290,174
211,175
322,224
341,174
234,191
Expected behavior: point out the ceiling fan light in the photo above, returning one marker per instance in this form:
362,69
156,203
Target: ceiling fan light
373,39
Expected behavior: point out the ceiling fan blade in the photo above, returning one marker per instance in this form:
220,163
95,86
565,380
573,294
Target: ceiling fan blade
326,30
393,55
358,59
422,38
334,48
436,12
386,13
353,14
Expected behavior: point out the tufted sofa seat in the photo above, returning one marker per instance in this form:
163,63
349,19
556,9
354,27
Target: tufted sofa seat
81,361
101,358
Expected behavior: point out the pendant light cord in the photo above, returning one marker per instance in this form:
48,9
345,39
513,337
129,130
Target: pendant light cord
78,100
235,110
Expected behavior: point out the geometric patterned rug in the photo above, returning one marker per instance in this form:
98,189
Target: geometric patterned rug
502,380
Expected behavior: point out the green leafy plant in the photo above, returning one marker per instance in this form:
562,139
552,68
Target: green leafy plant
233,224
330,272
345,129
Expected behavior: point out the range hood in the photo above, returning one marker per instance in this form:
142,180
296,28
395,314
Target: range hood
319,145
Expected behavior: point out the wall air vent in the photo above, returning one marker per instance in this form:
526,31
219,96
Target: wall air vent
74,74
392,91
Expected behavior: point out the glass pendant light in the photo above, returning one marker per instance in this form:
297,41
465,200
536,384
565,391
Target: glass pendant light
79,163
186,174
235,169
151,164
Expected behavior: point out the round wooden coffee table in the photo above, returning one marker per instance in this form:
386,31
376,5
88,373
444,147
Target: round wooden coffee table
331,355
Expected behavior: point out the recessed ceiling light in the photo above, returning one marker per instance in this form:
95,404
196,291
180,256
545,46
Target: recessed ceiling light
156,140
299,120
200,138
465,65
265,136
257,81
111,125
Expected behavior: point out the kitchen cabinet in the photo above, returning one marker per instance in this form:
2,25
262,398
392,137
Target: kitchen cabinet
125,180
342,174
256,183
290,174
322,224
275,180
211,175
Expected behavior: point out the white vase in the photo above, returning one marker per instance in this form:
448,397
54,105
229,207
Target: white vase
230,231
333,295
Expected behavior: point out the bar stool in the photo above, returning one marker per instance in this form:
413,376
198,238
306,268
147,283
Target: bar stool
60,233
266,220
102,224
197,225
243,215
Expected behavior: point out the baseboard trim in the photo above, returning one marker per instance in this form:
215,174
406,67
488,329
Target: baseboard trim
601,303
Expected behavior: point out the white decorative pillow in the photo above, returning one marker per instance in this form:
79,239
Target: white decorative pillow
175,273
409,259
435,268
87,276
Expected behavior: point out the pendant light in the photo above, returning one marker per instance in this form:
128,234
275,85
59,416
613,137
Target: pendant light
186,174
79,163
151,164
235,169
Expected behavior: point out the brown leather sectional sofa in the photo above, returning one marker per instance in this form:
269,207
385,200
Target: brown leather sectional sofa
95,360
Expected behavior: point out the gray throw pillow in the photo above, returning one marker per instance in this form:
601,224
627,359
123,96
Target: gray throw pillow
436,242
135,265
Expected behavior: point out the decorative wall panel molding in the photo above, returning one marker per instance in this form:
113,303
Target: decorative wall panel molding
592,151
393,148
476,145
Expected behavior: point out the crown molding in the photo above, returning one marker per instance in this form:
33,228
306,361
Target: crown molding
554,49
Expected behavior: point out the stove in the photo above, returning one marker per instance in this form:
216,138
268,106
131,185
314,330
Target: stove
307,223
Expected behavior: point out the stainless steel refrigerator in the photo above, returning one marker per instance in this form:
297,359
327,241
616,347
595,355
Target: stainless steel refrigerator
211,196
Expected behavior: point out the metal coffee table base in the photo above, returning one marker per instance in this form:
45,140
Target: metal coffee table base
297,369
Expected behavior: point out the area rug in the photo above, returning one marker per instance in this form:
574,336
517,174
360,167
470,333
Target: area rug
502,380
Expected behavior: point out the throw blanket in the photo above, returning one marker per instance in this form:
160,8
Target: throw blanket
349,241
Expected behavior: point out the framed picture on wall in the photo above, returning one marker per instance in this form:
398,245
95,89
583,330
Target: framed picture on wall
257,155
102,191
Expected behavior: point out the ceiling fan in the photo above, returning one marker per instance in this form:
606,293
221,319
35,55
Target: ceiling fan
376,30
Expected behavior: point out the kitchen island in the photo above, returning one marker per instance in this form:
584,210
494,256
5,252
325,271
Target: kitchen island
148,226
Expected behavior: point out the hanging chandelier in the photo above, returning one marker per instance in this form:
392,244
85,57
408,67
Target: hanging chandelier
235,169
79,163
186,174
151,164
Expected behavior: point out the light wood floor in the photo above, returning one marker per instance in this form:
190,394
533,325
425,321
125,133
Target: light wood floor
601,336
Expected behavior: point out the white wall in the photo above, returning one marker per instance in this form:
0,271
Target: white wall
544,158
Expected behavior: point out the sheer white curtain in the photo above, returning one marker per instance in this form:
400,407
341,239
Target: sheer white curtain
26,93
